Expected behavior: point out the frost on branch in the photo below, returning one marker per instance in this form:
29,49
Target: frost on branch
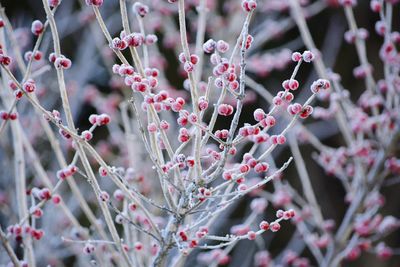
171,133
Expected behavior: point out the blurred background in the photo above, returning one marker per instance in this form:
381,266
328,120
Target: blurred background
93,90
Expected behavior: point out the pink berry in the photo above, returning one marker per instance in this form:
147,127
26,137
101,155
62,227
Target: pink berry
264,225
132,206
348,2
320,84
118,44
188,66
308,56
37,27
275,226
29,86
103,171
296,57
53,3
209,46
56,199
119,195
203,103
138,246
52,57
152,127
244,168
87,135
151,39
104,196
261,167
140,9
103,119
96,3
89,248
279,213
293,84
249,5
225,110
251,235
93,119
259,114
194,59
62,63
222,46
281,139
294,109
164,125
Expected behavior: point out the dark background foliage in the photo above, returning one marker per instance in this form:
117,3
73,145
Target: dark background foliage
327,29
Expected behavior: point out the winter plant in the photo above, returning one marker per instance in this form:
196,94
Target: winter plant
131,145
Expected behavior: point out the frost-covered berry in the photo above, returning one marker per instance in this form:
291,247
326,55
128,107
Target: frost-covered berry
134,39
203,103
294,109
244,168
293,84
5,60
36,212
118,195
183,135
320,84
275,226
29,86
306,112
188,66
37,27
249,5
209,46
62,63
281,139
348,2
53,3
261,167
151,39
87,135
103,119
251,235
222,46
279,213
380,27
118,44
296,56
96,3
103,171
278,139
259,114
164,125
225,110
152,127
56,199
52,57
138,246
140,9
36,234
132,206
89,248
44,194
104,196
264,225
308,56
376,6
